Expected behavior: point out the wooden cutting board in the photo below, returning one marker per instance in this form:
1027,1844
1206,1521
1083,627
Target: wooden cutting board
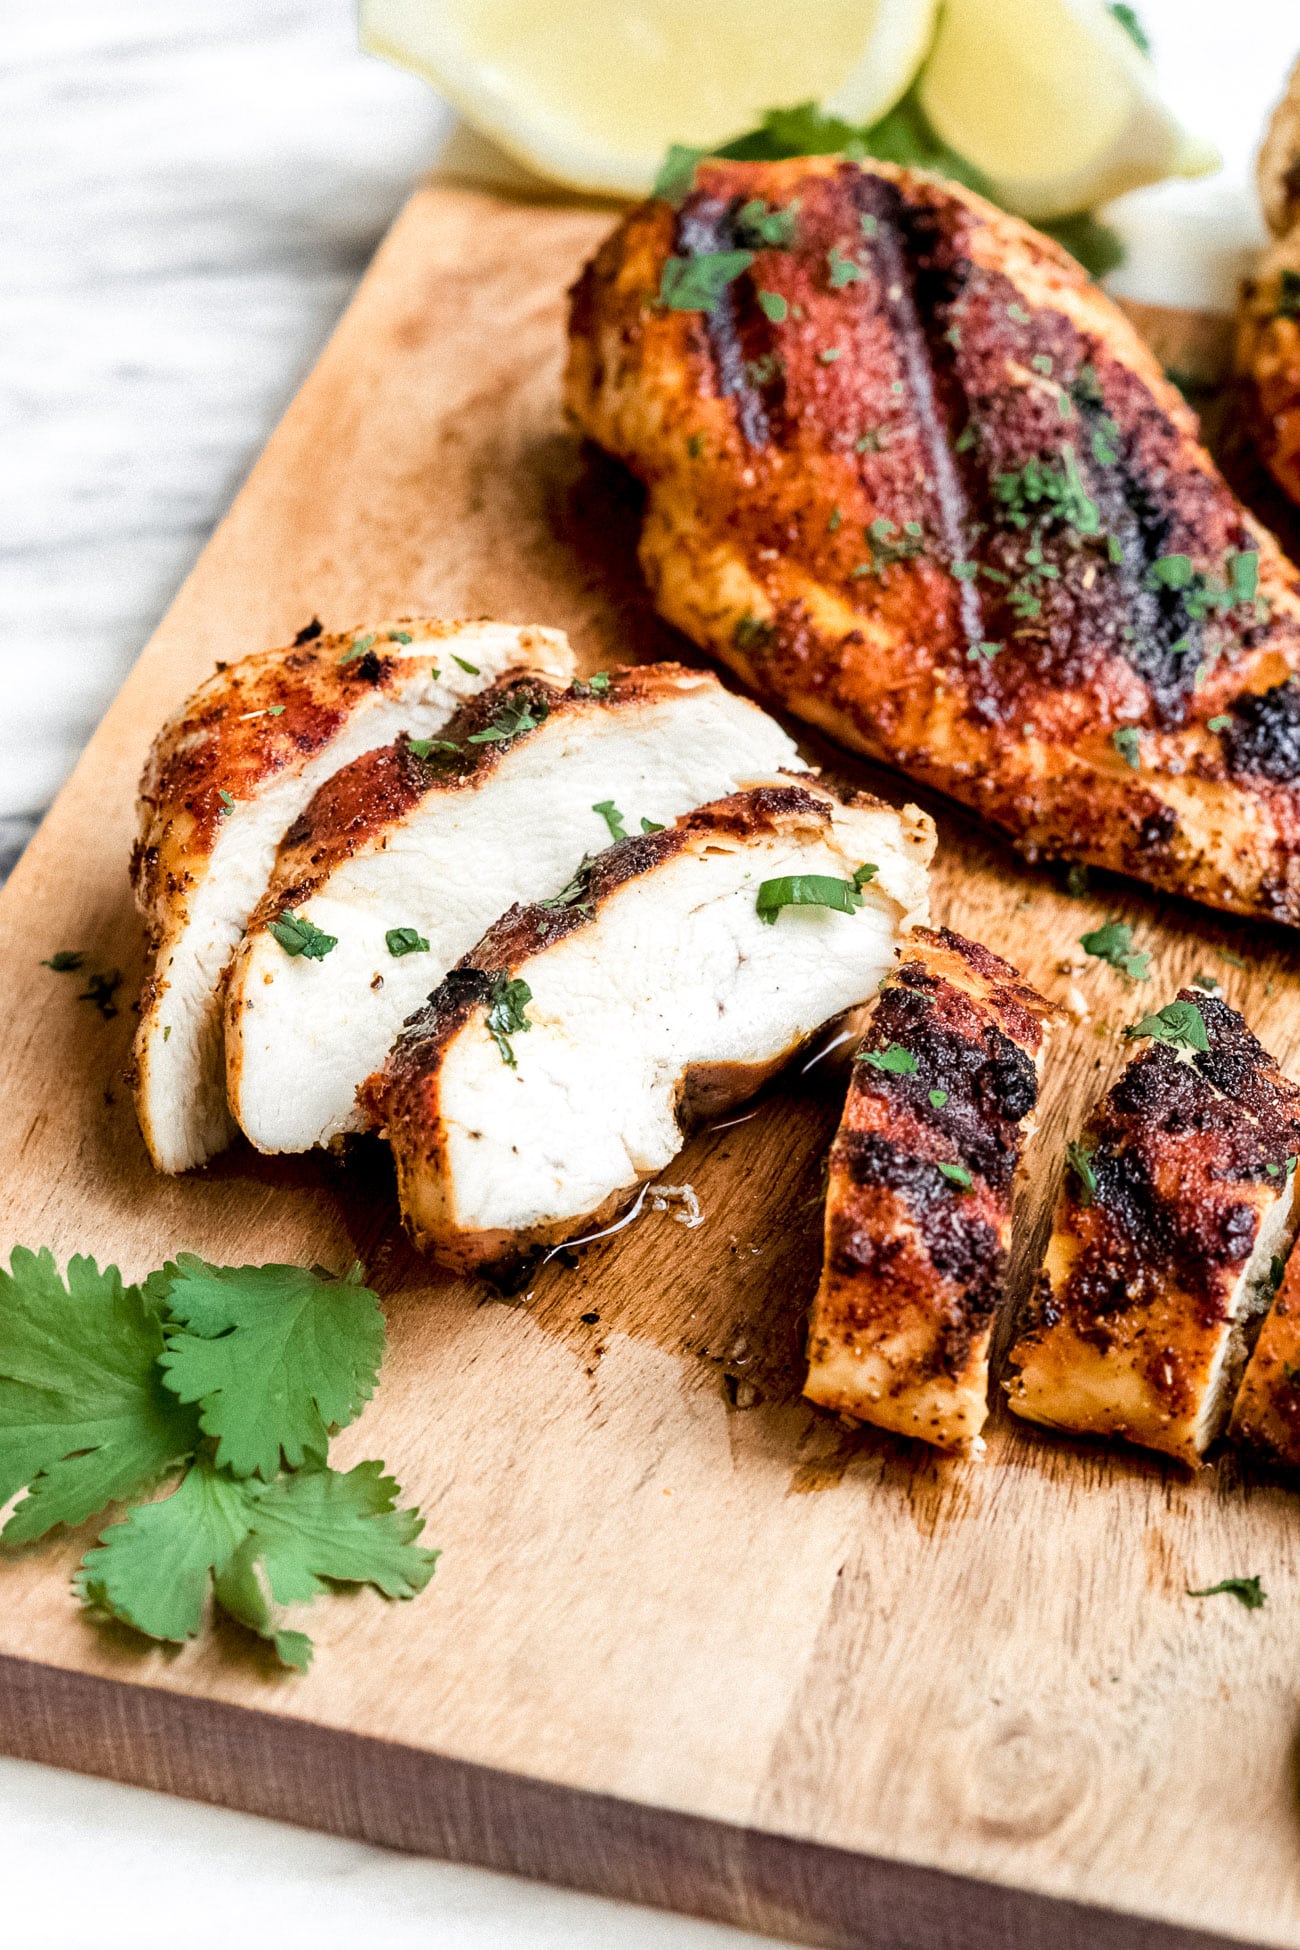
733,1659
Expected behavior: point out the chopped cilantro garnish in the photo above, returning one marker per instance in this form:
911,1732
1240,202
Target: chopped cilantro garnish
1079,1160
575,892
965,571
774,306
1104,436
518,714
275,710
861,875
758,226
405,941
829,354
807,890
894,1061
1018,315
227,801
870,442
597,685
1113,943
833,520
888,545
984,652
1127,741
842,269
506,1002
1042,362
400,636
651,825
612,817
938,1098
752,633
66,961
1179,1025
696,283
956,1175
1247,1591
1128,19
1210,983
1041,490
473,669
695,445
299,936
676,175
1221,723
358,649
426,747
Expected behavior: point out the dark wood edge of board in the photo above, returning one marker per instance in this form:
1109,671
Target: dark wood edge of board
404,1798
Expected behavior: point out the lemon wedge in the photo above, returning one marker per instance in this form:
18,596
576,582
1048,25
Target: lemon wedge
592,95
1054,102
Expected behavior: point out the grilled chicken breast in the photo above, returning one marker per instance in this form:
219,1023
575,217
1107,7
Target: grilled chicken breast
407,855
1266,1414
558,1063
1179,1200
226,776
1268,322
918,1205
913,476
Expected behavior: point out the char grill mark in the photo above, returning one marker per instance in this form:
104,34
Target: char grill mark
736,326
1263,740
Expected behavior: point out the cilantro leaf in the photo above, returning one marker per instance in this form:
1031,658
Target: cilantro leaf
506,1003
425,747
1180,1025
1247,1591
1127,741
938,1098
806,890
895,1061
519,713
299,936
65,961
843,270
405,941
676,177
254,1545
1132,25
275,1357
760,227
1079,1160
1113,943
696,283
612,817
153,1570
358,649
956,1175
473,669
774,307
83,1419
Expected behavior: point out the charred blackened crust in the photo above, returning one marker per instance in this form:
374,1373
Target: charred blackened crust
1154,1227
400,1092
918,1210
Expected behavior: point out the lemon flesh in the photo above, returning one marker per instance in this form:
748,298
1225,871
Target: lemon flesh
591,96
1054,103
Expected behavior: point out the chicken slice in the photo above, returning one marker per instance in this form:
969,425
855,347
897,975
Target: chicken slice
225,777
1266,1414
406,860
914,477
918,1207
1179,1199
558,1063
1268,319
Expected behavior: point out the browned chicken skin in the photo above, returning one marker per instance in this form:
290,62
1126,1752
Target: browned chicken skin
918,1205
915,478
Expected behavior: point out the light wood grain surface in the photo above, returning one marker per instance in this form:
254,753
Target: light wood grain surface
742,1661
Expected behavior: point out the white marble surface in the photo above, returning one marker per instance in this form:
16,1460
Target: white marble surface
190,194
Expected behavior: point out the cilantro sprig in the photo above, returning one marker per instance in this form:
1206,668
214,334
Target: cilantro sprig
229,1379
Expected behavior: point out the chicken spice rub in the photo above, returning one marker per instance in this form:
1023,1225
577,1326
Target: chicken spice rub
922,1175
1174,1221
912,475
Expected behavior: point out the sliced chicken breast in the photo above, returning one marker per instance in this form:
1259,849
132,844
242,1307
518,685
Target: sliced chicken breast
226,776
558,1064
1179,1199
918,1207
1266,1415
406,859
